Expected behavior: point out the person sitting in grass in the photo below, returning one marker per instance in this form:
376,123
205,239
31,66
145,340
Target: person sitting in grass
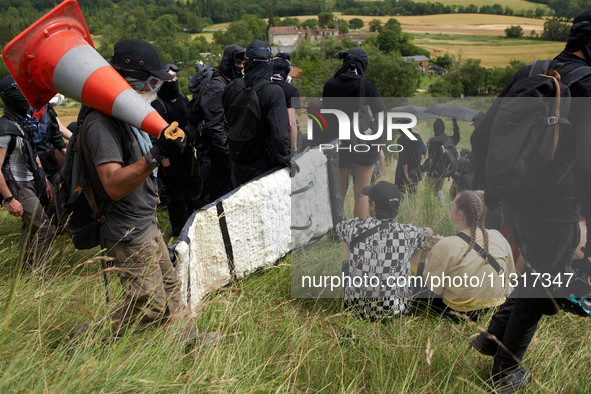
379,251
474,253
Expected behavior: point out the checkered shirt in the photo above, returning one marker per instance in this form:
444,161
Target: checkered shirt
385,254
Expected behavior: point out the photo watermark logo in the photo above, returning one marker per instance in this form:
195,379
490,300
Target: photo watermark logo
365,139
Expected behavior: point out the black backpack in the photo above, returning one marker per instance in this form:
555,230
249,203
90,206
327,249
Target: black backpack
245,122
522,162
201,78
77,202
449,158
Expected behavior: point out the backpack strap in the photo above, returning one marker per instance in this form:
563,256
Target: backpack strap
539,67
258,86
362,82
478,249
93,202
575,75
365,235
240,84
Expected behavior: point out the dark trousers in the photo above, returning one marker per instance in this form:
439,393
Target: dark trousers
547,248
183,188
220,183
244,173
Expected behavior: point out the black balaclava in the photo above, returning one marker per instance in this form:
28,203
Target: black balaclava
580,35
257,62
15,104
282,65
354,60
226,67
438,127
169,89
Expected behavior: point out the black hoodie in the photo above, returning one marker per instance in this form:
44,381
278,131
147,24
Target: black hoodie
274,148
207,107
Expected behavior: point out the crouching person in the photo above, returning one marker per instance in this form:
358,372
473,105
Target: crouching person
378,253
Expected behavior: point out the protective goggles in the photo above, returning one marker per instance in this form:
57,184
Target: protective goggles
263,54
139,84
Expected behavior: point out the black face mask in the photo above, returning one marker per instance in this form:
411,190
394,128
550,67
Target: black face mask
19,106
238,72
169,90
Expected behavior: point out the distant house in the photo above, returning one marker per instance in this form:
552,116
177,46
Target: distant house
318,34
359,37
295,75
422,60
283,35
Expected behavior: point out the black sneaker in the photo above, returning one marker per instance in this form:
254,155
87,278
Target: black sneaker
505,382
484,344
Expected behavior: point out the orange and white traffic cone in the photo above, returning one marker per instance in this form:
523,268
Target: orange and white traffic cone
56,55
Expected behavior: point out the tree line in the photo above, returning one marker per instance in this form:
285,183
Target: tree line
168,24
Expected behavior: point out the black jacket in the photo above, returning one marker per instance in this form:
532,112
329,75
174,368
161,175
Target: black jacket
273,149
433,165
207,111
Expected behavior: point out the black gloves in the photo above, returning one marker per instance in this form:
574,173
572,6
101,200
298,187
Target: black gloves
293,168
171,142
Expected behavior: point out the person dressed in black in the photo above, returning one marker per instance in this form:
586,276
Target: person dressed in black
281,69
269,148
434,163
546,226
408,168
181,178
207,118
464,175
347,82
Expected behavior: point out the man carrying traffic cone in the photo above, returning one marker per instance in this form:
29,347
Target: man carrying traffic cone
121,162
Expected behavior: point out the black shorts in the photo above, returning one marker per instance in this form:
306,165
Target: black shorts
361,156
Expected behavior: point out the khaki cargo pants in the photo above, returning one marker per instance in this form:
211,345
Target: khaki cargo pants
150,282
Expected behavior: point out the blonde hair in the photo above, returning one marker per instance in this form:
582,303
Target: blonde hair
472,205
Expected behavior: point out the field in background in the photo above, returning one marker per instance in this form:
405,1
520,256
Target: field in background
492,53
515,5
476,36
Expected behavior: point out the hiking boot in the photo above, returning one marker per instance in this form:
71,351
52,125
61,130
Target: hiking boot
484,344
509,381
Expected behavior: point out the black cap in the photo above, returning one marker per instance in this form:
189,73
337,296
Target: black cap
170,66
258,51
384,194
238,56
139,57
8,87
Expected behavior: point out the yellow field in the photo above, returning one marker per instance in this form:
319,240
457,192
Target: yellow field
515,5
208,36
497,56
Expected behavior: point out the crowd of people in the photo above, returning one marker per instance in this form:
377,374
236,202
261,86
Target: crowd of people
240,125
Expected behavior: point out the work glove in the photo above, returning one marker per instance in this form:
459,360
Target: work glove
171,142
294,168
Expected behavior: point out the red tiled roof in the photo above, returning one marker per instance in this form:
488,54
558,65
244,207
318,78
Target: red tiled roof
295,71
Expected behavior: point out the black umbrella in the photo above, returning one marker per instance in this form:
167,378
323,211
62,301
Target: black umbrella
417,111
452,111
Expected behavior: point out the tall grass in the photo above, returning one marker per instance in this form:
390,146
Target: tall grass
271,342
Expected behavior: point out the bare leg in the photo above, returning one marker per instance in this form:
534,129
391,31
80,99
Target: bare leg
344,173
362,179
